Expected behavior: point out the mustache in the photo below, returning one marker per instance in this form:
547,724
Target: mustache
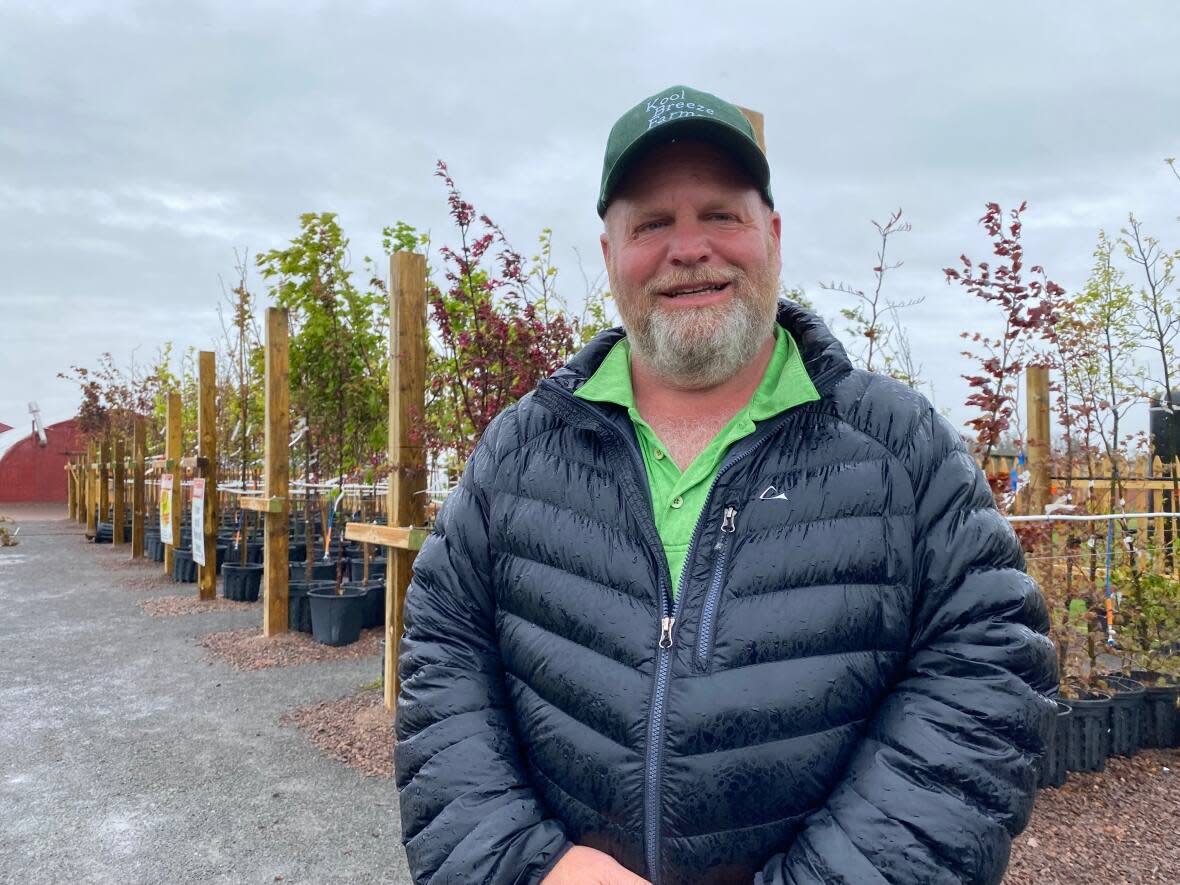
692,277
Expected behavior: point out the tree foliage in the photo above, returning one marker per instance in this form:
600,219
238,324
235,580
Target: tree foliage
338,351
499,327
1026,308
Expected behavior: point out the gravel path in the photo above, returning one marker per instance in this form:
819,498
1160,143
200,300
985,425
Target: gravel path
126,755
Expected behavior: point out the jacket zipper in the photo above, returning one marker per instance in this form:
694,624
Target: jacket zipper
655,745
668,612
709,611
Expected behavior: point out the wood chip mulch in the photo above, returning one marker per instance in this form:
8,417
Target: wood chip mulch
356,730
172,606
119,559
154,581
1118,827
249,650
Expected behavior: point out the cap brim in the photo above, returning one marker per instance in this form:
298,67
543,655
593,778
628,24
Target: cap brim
731,140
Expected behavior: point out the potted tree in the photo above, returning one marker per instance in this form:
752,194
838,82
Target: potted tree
242,573
338,366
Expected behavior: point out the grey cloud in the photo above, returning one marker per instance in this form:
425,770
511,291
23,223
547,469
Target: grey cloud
140,144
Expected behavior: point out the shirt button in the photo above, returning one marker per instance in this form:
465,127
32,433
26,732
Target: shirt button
677,503
658,454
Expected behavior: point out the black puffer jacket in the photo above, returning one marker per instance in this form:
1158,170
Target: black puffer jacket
851,690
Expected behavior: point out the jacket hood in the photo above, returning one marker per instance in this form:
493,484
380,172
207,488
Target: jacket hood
823,355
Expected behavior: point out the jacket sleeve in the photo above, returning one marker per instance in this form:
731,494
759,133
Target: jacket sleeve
945,775
468,812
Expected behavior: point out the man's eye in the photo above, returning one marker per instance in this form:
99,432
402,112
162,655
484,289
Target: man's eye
649,226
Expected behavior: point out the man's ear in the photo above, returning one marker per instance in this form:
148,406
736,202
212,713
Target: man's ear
604,241
776,236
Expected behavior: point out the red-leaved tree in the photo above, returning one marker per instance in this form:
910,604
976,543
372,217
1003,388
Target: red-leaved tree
500,329
1028,311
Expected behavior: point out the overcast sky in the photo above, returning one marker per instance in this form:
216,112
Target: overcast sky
141,144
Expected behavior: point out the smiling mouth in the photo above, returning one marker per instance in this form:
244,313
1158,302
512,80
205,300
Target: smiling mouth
696,290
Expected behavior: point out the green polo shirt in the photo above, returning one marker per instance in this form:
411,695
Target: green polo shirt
678,498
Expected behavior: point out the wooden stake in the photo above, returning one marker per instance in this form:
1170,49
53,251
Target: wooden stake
91,491
1037,380
80,485
207,467
278,474
407,406
172,465
104,479
138,443
756,120
119,477
71,491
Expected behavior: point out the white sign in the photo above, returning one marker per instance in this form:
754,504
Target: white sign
199,521
166,509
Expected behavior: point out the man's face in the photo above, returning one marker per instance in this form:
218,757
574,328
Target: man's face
692,254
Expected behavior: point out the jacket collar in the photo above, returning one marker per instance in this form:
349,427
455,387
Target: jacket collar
823,355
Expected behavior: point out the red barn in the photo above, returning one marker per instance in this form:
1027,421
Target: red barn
32,472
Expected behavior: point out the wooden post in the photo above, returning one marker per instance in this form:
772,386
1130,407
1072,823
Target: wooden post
756,120
278,474
172,465
71,495
80,483
104,478
138,443
407,406
92,491
1037,380
119,477
207,465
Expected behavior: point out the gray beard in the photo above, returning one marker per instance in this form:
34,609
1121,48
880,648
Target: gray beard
698,349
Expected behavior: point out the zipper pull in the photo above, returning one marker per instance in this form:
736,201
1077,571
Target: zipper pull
727,524
666,632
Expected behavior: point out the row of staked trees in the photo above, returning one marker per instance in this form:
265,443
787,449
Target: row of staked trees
496,327
1111,346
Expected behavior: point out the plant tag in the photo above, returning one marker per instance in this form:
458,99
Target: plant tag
199,521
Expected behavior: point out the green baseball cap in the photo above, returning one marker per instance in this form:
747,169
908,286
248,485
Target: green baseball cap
681,112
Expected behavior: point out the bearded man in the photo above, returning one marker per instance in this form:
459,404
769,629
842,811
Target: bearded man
710,605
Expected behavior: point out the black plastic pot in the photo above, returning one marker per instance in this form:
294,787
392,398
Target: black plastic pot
298,613
376,568
320,570
253,553
1161,719
153,548
374,590
298,609
1088,745
296,551
1126,715
1052,769
336,619
241,582
184,570
103,533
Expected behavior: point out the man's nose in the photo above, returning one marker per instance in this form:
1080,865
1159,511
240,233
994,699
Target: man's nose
689,245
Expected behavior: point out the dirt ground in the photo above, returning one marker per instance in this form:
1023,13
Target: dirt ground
355,730
185,748
1117,827
249,650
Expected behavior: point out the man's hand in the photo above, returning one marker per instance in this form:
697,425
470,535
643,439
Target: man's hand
586,866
